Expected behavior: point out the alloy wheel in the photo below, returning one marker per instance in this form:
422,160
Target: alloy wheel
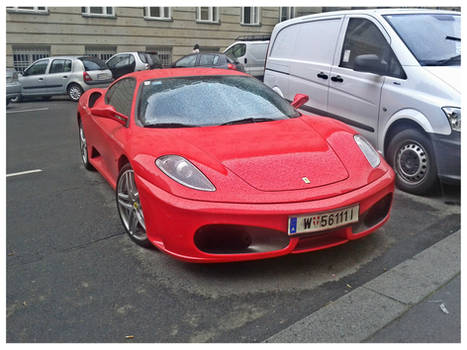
129,206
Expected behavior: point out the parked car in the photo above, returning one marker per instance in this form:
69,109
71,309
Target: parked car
64,75
127,62
250,50
13,86
392,74
205,59
211,165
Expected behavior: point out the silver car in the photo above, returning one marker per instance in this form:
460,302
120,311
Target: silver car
64,75
13,86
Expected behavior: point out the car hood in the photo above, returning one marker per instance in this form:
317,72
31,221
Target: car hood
270,156
451,75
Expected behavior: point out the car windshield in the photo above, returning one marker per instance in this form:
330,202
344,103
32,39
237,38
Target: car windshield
208,101
434,39
93,63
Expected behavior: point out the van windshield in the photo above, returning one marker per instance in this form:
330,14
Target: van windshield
434,39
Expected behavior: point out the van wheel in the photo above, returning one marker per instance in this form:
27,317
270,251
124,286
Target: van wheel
410,152
74,92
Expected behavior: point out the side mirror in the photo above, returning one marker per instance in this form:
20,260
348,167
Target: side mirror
370,64
24,74
299,100
108,111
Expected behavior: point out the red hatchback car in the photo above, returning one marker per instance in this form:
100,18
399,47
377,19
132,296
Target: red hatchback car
211,165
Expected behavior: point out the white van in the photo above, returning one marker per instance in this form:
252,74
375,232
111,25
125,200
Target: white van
392,74
251,52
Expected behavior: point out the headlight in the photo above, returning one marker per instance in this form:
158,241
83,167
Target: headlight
185,173
367,149
454,116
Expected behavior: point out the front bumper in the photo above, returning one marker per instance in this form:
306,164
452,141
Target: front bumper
173,222
447,150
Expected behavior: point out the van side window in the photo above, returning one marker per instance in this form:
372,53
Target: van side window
363,38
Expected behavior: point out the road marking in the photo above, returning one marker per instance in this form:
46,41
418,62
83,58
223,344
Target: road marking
29,110
24,172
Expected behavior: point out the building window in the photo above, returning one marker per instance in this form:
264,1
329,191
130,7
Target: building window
98,11
23,57
286,13
208,14
157,13
32,9
250,15
102,52
164,53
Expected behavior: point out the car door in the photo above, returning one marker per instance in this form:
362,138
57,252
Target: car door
59,75
110,136
121,64
34,78
354,97
310,61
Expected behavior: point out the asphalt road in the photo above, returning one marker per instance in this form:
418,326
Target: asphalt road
74,276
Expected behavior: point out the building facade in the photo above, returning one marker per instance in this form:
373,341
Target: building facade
37,32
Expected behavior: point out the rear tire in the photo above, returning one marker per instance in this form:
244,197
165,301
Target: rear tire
74,92
83,146
410,153
129,207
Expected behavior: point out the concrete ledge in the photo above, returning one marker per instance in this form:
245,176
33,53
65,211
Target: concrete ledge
359,314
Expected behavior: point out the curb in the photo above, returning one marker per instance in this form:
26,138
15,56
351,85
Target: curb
365,310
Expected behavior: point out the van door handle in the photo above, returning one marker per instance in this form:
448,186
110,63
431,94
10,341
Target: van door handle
245,60
337,79
40,79
322,75
65,76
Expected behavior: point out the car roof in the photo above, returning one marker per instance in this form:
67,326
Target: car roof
181,72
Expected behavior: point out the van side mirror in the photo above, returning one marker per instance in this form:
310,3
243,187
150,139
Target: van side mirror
299,100
370,64
108,111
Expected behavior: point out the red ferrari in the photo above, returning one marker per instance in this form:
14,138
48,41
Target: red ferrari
211,165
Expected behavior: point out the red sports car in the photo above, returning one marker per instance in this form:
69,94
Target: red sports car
211,165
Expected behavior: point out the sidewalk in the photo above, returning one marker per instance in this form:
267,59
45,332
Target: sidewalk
401,305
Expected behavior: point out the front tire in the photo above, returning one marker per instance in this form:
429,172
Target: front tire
129,207
410,152
74,92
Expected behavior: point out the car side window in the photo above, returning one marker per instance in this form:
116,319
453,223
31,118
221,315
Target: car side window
364,38
123,61
60,66
113,61
120,95
188,61
207,60
38,68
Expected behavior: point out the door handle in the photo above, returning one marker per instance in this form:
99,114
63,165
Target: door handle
245,60
40,79
337,79
322,75
65,76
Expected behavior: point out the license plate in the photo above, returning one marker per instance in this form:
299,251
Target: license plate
322,221
102,76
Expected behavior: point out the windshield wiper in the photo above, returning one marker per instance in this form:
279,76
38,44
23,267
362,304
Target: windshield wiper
448,61
169,125
455,38
249,120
